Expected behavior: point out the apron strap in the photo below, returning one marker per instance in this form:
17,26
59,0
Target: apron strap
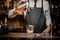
35,4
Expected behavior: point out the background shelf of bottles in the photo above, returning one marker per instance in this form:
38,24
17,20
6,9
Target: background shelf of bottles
55,14
15,23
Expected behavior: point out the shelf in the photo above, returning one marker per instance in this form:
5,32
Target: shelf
3,12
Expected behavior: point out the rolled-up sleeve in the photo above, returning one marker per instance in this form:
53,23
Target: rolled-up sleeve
46,12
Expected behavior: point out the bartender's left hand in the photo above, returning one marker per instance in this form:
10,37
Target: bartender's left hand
47,30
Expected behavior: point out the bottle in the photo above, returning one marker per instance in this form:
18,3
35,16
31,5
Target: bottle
15,5
5,28
1,27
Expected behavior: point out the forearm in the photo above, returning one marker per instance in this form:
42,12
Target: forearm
49,27
47,16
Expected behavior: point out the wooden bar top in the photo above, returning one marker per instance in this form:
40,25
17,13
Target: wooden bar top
25,35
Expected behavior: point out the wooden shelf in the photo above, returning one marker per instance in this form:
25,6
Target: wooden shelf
24,35
3,12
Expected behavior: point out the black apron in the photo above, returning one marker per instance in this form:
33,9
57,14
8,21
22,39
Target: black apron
36,17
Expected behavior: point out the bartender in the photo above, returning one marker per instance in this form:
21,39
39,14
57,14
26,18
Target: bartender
38,15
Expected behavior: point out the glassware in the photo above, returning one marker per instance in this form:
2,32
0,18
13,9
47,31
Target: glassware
30,29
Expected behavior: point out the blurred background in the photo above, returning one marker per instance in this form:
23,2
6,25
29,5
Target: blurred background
55,16
16,24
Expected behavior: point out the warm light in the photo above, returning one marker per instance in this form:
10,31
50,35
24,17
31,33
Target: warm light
15,5
56,6
7,3
5,20
52,6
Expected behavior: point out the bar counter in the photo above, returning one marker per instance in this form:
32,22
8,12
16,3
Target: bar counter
25,35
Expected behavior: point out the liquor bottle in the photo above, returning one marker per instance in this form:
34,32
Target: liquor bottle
5,26
0,27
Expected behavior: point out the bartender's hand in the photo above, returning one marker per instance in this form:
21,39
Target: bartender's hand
47,30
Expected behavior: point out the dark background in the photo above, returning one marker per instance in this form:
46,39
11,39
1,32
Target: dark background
55,14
